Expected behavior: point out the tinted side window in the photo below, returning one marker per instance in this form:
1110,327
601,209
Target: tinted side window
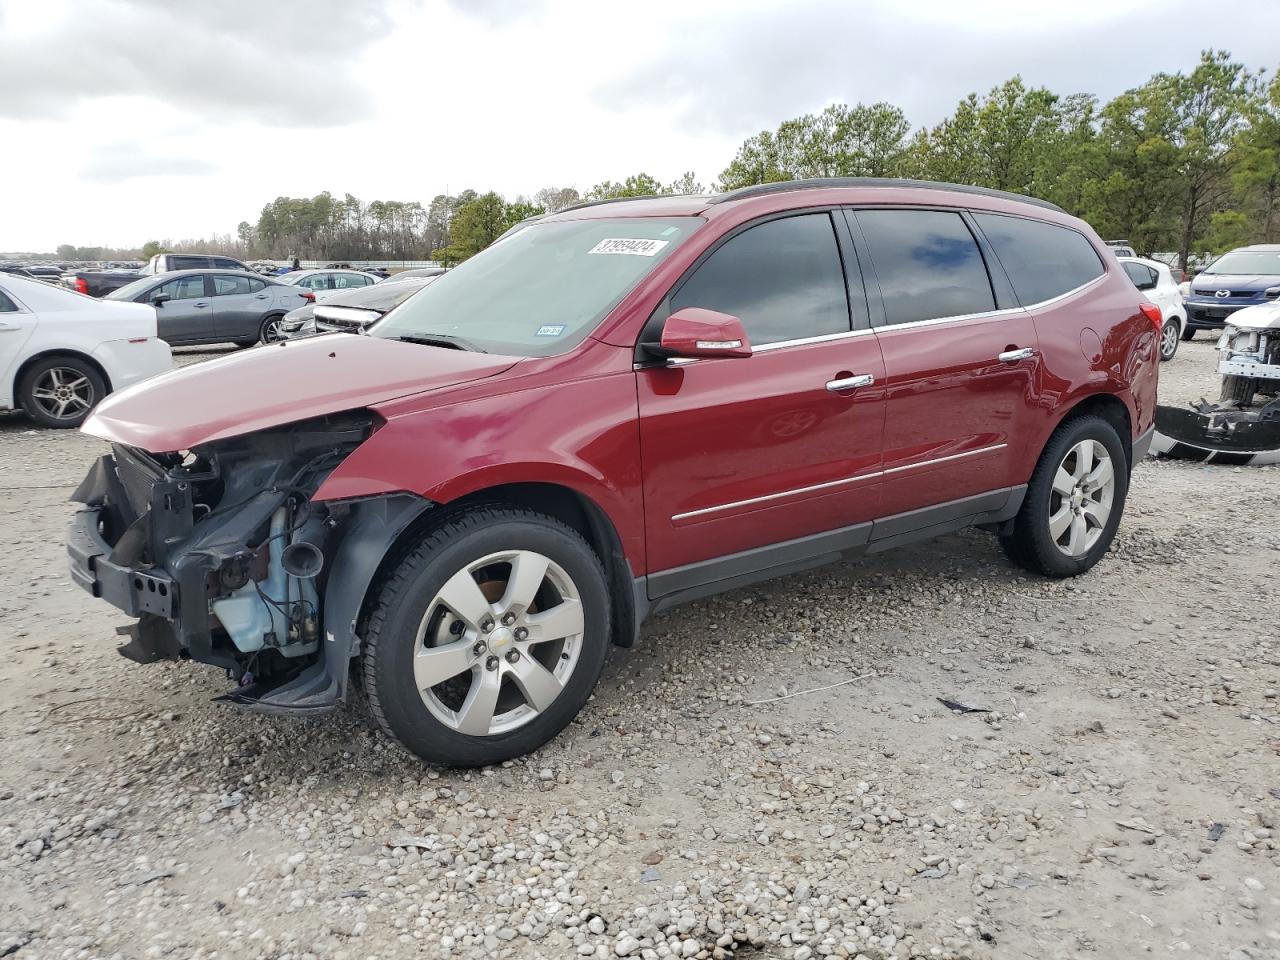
348,281
782,279
927,263
1143,277
255,285
228,286
226,263
7,305
184,288
1043,260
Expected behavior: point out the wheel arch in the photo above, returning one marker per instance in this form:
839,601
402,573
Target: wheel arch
50,353
1109,407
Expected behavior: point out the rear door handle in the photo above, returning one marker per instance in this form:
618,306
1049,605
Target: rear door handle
261,296
200,306
1013,356
851,383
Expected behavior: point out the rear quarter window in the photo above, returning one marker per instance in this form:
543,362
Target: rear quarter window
1042,260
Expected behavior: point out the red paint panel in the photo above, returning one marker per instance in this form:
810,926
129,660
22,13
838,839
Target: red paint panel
715,433
956,416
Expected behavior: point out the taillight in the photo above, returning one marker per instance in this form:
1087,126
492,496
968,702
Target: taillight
308,296
82,285
1152,313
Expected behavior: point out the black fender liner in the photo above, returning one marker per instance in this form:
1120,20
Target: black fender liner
368,532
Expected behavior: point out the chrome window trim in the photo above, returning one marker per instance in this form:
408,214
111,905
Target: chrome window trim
857,478
763,348
988,314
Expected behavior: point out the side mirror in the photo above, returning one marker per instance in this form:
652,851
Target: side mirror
695,333
160,299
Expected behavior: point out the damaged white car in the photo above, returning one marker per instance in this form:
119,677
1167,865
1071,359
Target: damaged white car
1243,427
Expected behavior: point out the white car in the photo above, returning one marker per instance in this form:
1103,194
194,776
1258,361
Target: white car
323,284
61,352
1155,280
1249,354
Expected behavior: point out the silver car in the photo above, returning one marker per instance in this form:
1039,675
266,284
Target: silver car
352,309
214,306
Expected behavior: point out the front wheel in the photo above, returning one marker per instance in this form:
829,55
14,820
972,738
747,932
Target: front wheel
1169,339
1074,501
486,640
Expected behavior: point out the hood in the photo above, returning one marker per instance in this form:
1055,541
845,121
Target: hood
282,383
1209,282
1265,316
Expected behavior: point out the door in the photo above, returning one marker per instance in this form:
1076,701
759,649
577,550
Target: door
239,304
961,369
187,315
17,323
747,453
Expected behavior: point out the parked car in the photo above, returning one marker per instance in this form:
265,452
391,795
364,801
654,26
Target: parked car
320,285
1121,248
97,283
618,408
168,262
350,310
214,306
61,353
1155,279
1245,277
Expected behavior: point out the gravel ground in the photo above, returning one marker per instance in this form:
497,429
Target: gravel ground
1119,798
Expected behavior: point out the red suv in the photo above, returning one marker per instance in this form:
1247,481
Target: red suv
611,410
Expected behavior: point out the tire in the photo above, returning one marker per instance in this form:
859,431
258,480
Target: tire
1032,544
408,618
269,331
1238,389
1169,337
246,344
1189,333
60,391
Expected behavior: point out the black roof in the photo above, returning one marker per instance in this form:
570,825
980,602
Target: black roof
820,183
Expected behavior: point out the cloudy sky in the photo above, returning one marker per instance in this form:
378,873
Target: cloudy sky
128,120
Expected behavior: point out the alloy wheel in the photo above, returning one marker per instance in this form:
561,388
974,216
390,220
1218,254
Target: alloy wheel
1169,340
1080,500
498,643
273,330
63,393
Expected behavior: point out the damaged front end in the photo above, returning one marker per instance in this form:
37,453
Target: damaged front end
224,558
1243,426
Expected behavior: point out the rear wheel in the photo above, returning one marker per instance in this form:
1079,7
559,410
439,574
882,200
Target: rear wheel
60,391
1169,339
272,329
487,639
1074,501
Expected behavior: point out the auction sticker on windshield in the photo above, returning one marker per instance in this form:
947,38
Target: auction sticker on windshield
637,248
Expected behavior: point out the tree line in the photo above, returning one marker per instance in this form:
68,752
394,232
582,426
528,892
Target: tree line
1187,162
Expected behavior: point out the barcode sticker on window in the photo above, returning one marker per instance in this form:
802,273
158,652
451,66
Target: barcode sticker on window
636,248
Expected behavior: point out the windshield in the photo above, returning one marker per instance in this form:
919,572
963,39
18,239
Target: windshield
541,290
130,290
1241,263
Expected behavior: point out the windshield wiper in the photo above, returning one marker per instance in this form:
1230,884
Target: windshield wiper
439,340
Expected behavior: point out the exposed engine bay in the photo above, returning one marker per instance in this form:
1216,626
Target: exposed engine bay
222,555
1243,426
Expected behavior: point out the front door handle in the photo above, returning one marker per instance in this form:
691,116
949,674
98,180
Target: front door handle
1013,356
200,306
261,296
851,383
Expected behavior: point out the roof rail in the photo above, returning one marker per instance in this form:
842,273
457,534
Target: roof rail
646,196
820,183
